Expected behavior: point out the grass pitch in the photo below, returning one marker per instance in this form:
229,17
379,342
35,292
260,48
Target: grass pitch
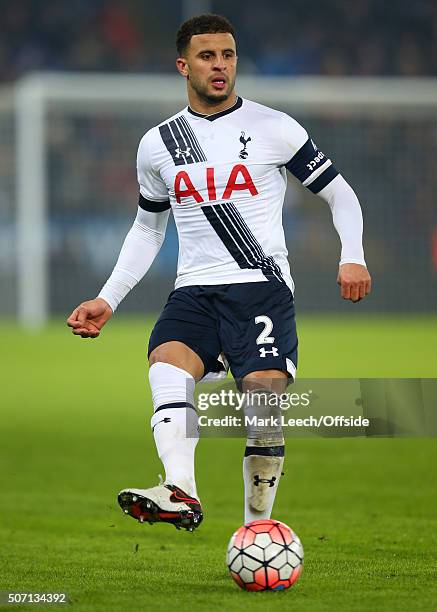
75,429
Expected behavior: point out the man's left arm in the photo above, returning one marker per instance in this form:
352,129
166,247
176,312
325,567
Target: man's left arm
353,276
316,172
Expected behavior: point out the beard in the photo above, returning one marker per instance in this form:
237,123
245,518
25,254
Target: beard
201,90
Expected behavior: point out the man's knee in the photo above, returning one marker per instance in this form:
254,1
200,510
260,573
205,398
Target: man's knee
272,380
180,355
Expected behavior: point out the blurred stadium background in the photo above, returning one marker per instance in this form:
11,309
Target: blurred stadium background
359,76
80,82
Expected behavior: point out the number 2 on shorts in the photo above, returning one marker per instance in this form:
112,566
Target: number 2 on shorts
264,337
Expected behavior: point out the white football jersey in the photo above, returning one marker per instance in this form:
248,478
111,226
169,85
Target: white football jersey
224,177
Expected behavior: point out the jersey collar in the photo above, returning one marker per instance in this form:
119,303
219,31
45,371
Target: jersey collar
215,116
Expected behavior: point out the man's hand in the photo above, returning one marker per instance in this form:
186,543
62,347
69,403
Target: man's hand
89,317
355,281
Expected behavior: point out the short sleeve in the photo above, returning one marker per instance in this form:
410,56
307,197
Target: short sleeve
303,158
153,191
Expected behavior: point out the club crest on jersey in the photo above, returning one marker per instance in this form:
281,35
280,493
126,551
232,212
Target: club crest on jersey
183,152
244,153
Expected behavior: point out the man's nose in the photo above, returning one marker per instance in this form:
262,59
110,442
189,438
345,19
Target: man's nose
219,64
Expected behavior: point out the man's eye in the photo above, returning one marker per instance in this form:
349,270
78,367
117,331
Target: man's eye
206,56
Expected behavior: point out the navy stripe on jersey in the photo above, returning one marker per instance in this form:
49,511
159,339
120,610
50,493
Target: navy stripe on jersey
266,262
183,150
182,145
307,163
152,206
240,256
191,136
170,142
239,240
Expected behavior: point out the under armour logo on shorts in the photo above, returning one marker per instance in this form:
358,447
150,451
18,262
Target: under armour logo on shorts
273,351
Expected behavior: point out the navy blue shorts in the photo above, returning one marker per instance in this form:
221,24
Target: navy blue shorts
251,323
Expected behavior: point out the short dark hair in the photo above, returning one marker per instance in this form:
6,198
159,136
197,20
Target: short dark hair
202,24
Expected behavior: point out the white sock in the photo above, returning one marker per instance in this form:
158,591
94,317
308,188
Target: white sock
263,460
174,424
261,475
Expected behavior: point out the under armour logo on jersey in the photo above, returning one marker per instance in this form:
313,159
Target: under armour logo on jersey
270,481
263,352
181,142
180,152
244,141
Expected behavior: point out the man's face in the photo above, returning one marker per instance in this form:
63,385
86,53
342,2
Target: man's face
210,64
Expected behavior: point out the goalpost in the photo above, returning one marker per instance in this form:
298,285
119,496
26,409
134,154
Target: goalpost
77,133
34,95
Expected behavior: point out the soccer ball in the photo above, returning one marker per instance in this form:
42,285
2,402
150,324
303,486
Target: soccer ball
265,555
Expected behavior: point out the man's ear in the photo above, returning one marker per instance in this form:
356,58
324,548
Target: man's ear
181,65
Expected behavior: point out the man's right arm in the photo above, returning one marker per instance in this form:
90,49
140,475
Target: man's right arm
137,254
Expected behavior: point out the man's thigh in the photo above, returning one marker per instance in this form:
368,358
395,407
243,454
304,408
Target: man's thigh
187,322
257,328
